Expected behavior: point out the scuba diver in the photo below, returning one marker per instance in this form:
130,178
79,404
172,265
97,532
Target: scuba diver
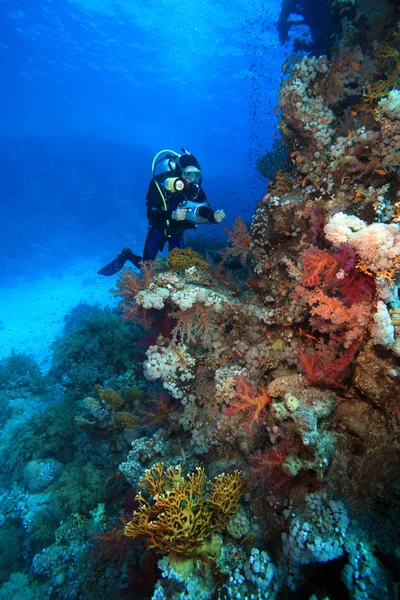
175,202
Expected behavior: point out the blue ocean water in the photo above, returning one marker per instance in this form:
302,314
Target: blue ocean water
92,90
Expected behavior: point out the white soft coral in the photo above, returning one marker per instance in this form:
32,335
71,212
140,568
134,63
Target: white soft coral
377,245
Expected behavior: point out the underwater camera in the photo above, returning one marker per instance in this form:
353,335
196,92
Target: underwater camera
196,212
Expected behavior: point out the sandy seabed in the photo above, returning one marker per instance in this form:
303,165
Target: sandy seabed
32,314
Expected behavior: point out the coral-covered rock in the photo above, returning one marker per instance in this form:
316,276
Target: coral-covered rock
40,473
377,376
362,421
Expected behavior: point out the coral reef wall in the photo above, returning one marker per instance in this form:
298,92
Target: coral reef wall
251,441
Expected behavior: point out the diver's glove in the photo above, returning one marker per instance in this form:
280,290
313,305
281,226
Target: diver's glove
118,263
179,214
219,216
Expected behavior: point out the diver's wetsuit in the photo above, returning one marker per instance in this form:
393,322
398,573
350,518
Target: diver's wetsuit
172,232
162,227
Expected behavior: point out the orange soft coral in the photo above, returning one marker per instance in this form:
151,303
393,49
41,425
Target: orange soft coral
239,240
182,512
194,324
319,266
129,284
249,401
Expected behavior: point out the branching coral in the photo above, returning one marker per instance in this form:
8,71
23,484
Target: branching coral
180,513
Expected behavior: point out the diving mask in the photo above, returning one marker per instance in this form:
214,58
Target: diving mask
191,174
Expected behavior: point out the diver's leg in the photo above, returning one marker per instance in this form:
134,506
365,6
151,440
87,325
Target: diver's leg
176,241
154,241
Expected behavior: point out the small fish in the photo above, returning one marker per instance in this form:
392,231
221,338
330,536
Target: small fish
380,172
303,183
207,283
324,121
276,109
355,66
358,15
353,113
300,331
266,197
358,193
183,456
300,159
193,340
396,160
287,324
311,337
293,153
238,353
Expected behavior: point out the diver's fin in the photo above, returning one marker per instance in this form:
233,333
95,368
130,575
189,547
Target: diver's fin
113,267
134,258
118,263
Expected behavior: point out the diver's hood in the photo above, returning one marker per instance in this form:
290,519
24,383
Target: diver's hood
188,160
169,163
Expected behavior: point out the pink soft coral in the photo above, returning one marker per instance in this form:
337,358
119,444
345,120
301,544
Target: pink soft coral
344,323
